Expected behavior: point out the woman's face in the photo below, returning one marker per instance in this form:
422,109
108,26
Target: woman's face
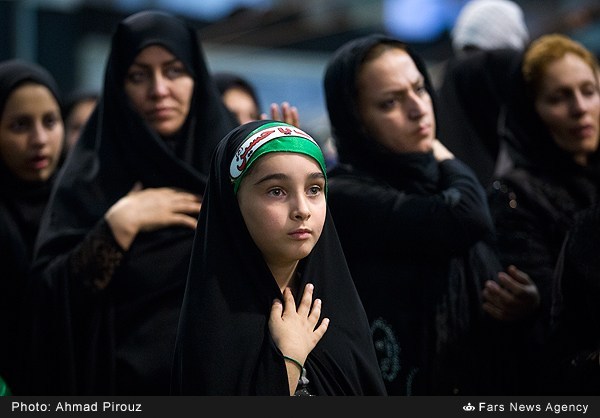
568,102
282,200
241,104
160,89
31,133
394,105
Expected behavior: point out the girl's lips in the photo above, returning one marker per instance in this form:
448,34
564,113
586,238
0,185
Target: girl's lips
39,163
300,234
424,130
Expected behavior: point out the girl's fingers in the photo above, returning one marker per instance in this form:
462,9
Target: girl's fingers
306,300
288,301
276,310
320,330
315,312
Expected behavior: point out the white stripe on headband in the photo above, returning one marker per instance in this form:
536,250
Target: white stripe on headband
254,142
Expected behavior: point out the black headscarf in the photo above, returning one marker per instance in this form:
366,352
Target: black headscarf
21,206
117,148
354,145
223,345
474,90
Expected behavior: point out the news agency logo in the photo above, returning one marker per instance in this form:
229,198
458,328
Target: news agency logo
468,407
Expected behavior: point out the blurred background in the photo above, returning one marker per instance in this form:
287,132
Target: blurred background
280,46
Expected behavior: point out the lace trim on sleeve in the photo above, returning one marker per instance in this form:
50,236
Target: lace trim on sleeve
96,259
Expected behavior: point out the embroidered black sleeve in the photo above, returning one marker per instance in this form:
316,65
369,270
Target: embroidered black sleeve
94,262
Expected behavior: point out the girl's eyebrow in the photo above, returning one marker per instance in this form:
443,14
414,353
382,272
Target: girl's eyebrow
272,176
283,176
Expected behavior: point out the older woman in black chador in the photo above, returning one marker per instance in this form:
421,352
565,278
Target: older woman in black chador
552,128
114,246
413,221
31,152
266,268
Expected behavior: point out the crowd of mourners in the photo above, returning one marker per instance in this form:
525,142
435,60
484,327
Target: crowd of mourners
167,236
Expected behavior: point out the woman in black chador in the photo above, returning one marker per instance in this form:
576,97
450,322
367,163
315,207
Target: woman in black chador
270,307
31,153
114,246
552,130
412,219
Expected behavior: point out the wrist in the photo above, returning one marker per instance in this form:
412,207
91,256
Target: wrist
299,365
124,230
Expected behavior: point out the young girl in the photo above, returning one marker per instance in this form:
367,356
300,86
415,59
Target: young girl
270,307
31,154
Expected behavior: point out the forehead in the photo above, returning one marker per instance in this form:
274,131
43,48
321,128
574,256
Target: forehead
569,69
283,162
153,54
393,66
29,97
237,91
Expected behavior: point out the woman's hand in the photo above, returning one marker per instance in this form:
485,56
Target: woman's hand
151,209
514,297
288,114
440,152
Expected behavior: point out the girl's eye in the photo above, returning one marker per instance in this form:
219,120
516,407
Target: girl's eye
50,121
19,125
275,192
314,190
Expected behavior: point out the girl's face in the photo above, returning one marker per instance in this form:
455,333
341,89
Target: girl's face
160,89
569,104
394,104
282,200
31,133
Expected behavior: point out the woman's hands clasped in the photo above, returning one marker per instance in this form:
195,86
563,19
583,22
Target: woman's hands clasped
514,297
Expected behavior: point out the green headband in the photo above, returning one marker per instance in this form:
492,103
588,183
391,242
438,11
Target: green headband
272,137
